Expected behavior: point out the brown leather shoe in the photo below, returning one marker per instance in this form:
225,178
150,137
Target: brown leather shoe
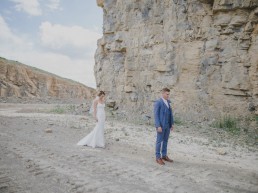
160,161
166,158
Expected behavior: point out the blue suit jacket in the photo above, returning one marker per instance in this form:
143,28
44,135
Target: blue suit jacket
160,112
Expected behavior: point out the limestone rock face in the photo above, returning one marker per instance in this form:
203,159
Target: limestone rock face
205,51
19,80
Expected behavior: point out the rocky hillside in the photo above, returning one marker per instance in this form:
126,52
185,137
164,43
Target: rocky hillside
21,81
205,51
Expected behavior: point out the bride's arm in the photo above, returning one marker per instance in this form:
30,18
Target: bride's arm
95,109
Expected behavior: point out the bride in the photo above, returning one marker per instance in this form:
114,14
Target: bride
96,137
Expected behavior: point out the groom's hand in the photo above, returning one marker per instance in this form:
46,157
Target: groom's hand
159,129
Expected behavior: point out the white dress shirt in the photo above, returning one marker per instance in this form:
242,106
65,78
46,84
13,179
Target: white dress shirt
165,101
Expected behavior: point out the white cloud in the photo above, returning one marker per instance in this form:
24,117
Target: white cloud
57,36
5,32
22,49
54,4
31,7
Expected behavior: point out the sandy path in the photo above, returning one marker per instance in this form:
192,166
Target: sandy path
32,160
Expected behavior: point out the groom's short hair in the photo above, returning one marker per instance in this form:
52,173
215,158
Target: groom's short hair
165,90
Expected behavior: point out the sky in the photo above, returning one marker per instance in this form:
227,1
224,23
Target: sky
58,36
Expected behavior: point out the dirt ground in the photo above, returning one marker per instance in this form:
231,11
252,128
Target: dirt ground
39,154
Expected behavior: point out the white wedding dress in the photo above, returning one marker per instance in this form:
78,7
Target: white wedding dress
96,137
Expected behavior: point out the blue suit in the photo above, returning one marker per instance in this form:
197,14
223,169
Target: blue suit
163,116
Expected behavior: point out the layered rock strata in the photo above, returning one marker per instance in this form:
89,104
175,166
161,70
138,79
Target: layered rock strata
19,80
205,51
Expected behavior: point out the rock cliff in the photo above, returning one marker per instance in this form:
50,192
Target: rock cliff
205,51
19,80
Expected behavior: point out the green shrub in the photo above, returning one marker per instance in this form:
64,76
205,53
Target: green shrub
178,121
58,110
71,108
228,123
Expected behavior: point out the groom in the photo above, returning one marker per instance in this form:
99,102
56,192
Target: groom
164,123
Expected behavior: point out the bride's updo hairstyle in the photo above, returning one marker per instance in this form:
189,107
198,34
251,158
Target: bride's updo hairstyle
101,93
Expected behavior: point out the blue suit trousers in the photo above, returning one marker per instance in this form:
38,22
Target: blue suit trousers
162,142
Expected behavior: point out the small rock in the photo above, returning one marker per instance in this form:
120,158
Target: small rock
48,130
117,139
75,127
111,103
221,151
251,107
206,143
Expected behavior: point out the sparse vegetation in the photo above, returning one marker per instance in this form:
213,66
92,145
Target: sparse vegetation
58,110
71,108
228,123
178,121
